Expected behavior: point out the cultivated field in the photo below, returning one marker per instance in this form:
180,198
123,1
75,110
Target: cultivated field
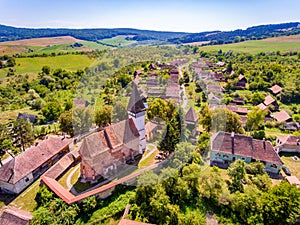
43,42
34,65
284,44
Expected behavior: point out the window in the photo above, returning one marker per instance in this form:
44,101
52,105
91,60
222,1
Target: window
243,158
26,179
273,165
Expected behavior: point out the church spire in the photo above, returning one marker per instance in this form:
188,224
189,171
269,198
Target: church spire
135,104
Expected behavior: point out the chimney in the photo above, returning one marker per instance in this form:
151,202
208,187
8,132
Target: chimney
264,143
232,142
297,141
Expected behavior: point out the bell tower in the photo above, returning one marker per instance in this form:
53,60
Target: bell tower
137,111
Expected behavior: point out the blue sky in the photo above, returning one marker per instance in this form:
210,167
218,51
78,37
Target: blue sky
188,15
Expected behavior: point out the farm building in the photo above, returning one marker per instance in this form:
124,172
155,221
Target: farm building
288,144
21,171
226,148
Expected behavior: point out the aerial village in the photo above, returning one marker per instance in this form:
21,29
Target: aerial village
109,155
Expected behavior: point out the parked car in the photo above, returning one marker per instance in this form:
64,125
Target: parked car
286,170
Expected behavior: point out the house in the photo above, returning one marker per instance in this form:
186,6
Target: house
236,109
81,102
241,84
172,92
213,99
271,103
276,89
14,216
239,101
282,116
152,66
226,148
191,117
138,73
219,76
21,171
220,64
263,107
293,180
108,150
28,117
291,126
288,144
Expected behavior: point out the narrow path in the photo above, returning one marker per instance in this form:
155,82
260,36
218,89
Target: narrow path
68,181
149,153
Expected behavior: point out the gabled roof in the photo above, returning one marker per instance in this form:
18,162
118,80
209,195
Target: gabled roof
262,106
241,77
269,100
96,147
32,158
135,104
81,102
290,140
191,115
14,216
245,146
281,116
276,89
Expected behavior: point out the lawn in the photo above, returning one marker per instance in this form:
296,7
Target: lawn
150,160
256,46
12,115
26,200
34,65
292,165
117,41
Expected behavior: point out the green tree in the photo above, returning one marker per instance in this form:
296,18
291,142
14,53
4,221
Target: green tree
23,132
66,122
51,111
281,205
82,119
206,118
226,120
237,173
103,116
203,143
255,119
257,98
46,70
6,143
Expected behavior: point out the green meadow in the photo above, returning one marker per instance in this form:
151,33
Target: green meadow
34,65
117,41
255,46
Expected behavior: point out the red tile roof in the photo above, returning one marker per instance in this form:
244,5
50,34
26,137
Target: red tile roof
269,100
262,106
245,146
292,180
24,164
281,116
14,216
276,89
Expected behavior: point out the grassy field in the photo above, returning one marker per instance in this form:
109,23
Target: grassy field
11,115
293,165
34,65
117,41
290,43
26,200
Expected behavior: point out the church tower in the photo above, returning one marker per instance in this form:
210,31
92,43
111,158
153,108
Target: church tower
137,111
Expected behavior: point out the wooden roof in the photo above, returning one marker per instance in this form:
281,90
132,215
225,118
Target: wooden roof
14,216
281,116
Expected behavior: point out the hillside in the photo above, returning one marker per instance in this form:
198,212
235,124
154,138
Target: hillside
8,33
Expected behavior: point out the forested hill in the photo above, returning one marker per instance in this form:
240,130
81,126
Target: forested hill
8,33
251,33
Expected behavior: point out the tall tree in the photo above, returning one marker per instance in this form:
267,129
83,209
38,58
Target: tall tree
66,122
255,119
5,141
82,119
103,116
51,111
236,171
23,133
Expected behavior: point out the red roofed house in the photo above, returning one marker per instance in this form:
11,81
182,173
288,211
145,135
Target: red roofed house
226,148
288,144
102,153
276,89
269,101
293,180
241,84
282,116
14,216
25,168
